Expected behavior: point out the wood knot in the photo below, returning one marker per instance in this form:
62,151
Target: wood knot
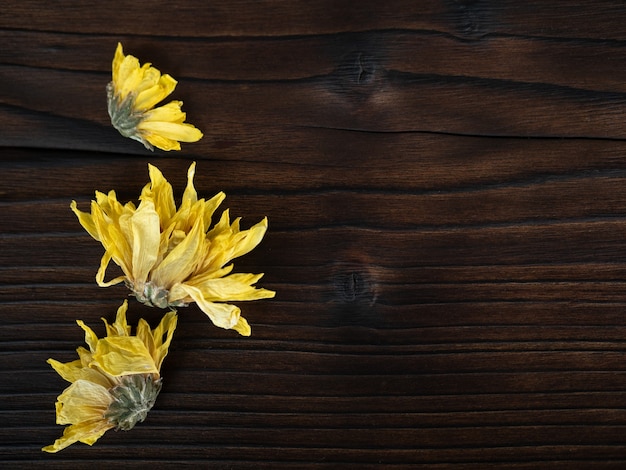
357,74
351,286
363,69
468,16
354,297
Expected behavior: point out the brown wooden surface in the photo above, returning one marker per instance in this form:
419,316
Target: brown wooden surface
446,188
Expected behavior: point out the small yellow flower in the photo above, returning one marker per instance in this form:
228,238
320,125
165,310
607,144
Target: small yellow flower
172,257
113,384
132,95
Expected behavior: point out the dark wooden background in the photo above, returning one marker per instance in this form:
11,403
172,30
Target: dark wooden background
446,188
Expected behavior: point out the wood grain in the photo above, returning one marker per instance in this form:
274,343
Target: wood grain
445,185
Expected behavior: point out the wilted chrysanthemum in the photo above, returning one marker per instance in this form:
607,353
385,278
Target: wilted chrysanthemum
132,95
113,384
172,257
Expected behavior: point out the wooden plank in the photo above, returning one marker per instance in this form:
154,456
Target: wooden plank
389,102
584,18
590,65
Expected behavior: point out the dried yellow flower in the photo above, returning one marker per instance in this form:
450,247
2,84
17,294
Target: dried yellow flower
132,95
171,257
113,384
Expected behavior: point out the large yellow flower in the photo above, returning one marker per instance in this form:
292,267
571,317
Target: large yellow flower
132,95
114,383
172,257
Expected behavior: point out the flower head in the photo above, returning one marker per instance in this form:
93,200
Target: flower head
171,257
113,384
132,95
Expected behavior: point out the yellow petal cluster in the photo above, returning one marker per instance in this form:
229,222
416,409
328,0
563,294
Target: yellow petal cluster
115,382
132,95
170,256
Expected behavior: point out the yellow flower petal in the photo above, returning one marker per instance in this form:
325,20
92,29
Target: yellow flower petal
167,122
104,263
160,192
237,286
221,314
83,401
86,221
113,238
245,241
87,432
118,58
228,242
119,327
190,196
70,371
161,142
163,335
154,339
211,206
84,356
182,132
133,76
181,261
123,355
111,206
150,78
90,337
146,230
242,327
153,95
170,112
78,370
